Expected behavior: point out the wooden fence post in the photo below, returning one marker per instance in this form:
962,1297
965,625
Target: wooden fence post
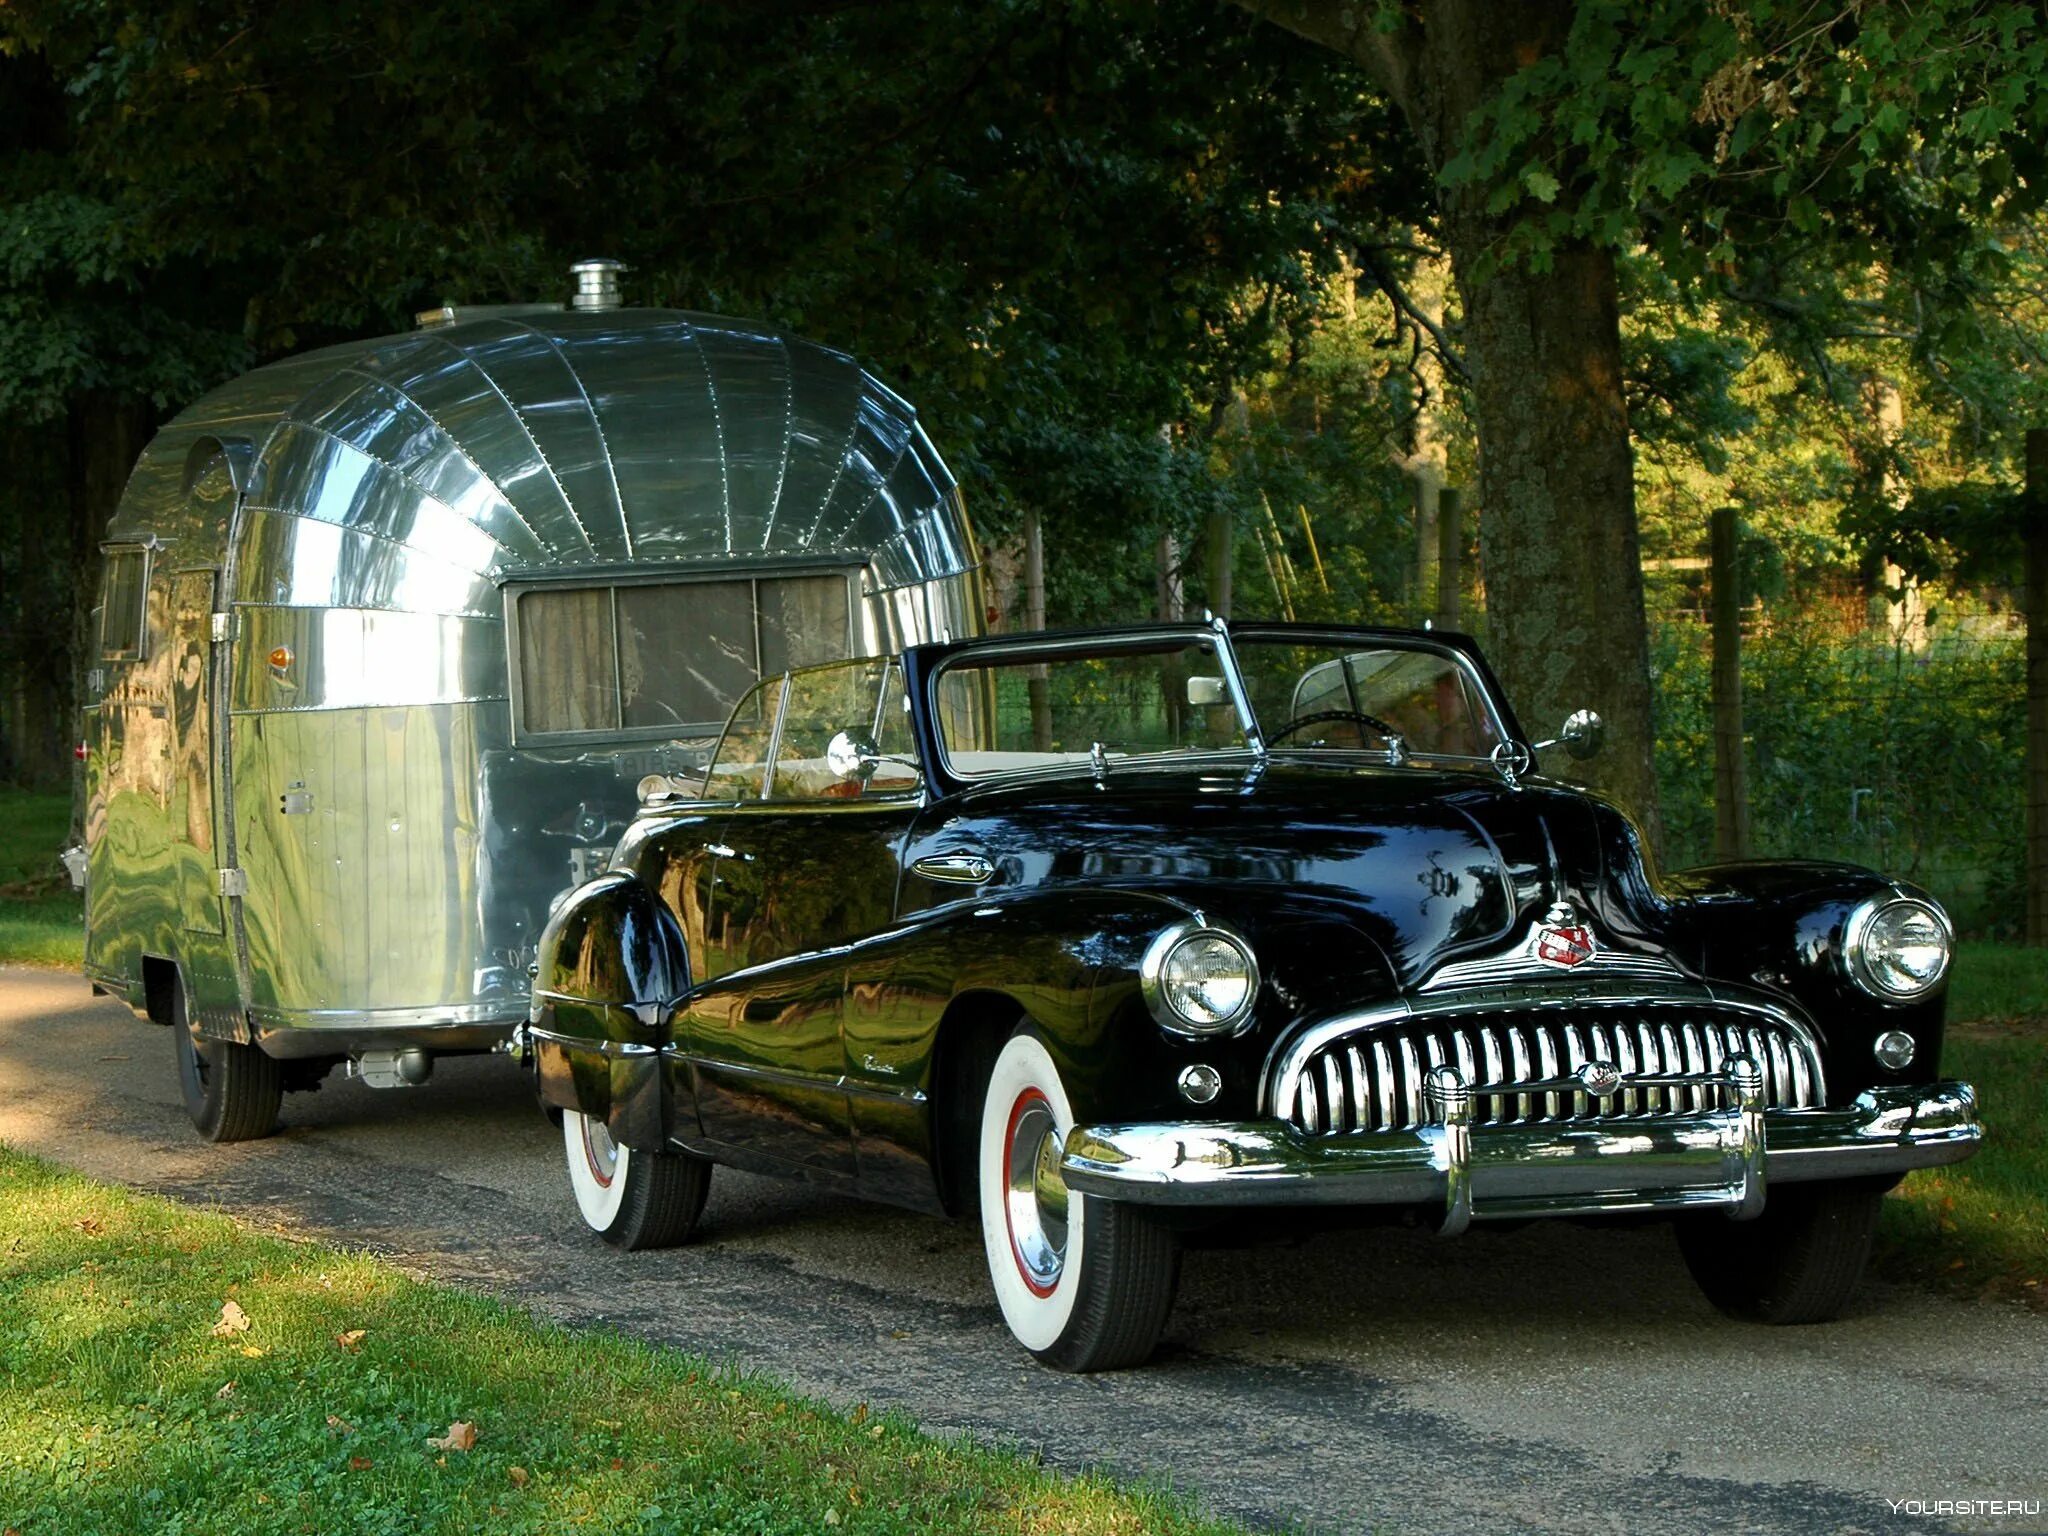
1034,618
1731,773
2034,515
1450,552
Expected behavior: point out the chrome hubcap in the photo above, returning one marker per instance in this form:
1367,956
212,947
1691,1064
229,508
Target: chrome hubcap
600,1151
1035,1196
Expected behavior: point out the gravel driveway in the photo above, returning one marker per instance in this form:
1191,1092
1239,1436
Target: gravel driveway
1556,1378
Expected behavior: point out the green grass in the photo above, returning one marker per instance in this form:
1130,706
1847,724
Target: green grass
122,1411
1998,982
41,917
1982,1226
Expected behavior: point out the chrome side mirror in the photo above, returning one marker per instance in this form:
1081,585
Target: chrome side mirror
1583,735
852,757
1205,692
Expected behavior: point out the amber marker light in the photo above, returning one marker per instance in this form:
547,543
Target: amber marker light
280,657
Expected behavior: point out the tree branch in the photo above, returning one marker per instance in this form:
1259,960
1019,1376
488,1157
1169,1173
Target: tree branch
1407,313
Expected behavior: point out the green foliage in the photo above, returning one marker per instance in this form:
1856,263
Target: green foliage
1861,751
1706,128
1040,219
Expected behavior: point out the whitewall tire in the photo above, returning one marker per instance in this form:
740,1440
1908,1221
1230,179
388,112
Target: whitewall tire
1084,1284
632,1199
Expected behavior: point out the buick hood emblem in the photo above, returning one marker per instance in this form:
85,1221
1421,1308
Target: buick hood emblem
1563,940
1599,1077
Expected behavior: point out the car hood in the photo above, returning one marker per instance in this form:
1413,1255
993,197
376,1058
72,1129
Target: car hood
1424,865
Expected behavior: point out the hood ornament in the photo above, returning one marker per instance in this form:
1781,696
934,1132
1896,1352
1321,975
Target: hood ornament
1563,940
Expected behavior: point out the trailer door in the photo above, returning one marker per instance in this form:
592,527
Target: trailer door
194,835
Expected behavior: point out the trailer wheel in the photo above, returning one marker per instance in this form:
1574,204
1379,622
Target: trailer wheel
231,1091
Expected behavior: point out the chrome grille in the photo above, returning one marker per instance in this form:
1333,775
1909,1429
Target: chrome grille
1373,1080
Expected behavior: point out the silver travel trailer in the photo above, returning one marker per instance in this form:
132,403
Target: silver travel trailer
390,632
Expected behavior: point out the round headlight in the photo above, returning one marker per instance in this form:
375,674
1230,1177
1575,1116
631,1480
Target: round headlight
1898,949
1199,979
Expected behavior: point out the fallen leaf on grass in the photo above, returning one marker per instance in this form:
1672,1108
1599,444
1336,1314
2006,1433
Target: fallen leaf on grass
461,1436
233,1320
350,1339
89,1225
360,1463
227,1390
518,1476
339,1426
253,1351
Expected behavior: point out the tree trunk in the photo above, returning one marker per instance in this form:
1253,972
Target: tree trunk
1222,551
2035,513
1564,577
1450,557
1557,543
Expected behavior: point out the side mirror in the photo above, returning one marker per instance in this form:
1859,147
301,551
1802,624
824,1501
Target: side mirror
852,757
1204,692
1584,733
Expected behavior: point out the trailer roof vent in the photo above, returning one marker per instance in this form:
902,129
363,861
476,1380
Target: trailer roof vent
457,314
597,283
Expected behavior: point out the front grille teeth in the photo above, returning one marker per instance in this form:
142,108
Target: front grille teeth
1373,1081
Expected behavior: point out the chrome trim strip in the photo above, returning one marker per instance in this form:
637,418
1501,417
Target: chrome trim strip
955,868
1660,1164
610,1049
852,1086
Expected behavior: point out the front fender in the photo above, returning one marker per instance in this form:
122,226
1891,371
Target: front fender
611,966
1069,959
1780,925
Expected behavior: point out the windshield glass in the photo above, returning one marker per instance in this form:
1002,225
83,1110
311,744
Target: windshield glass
1161,696
1340,694
1005,713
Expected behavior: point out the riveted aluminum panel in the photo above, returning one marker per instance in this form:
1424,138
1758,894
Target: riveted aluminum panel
349,658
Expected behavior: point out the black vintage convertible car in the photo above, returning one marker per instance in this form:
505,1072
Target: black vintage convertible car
1111,936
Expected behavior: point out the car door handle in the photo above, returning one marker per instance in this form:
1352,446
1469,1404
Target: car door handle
955,868
720,851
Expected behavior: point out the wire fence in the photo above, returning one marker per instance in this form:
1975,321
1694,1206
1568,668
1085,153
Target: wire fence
1904,757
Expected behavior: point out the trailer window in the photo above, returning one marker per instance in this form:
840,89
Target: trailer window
667,658
123,603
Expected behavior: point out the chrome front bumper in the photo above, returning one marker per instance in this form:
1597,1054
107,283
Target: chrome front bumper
1723,1159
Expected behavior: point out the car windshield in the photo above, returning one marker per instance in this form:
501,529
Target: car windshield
1111,699
1340,693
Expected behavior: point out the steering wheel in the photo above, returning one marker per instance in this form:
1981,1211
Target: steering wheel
1351,716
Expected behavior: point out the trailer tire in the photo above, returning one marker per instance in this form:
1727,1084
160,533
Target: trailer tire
231,1091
